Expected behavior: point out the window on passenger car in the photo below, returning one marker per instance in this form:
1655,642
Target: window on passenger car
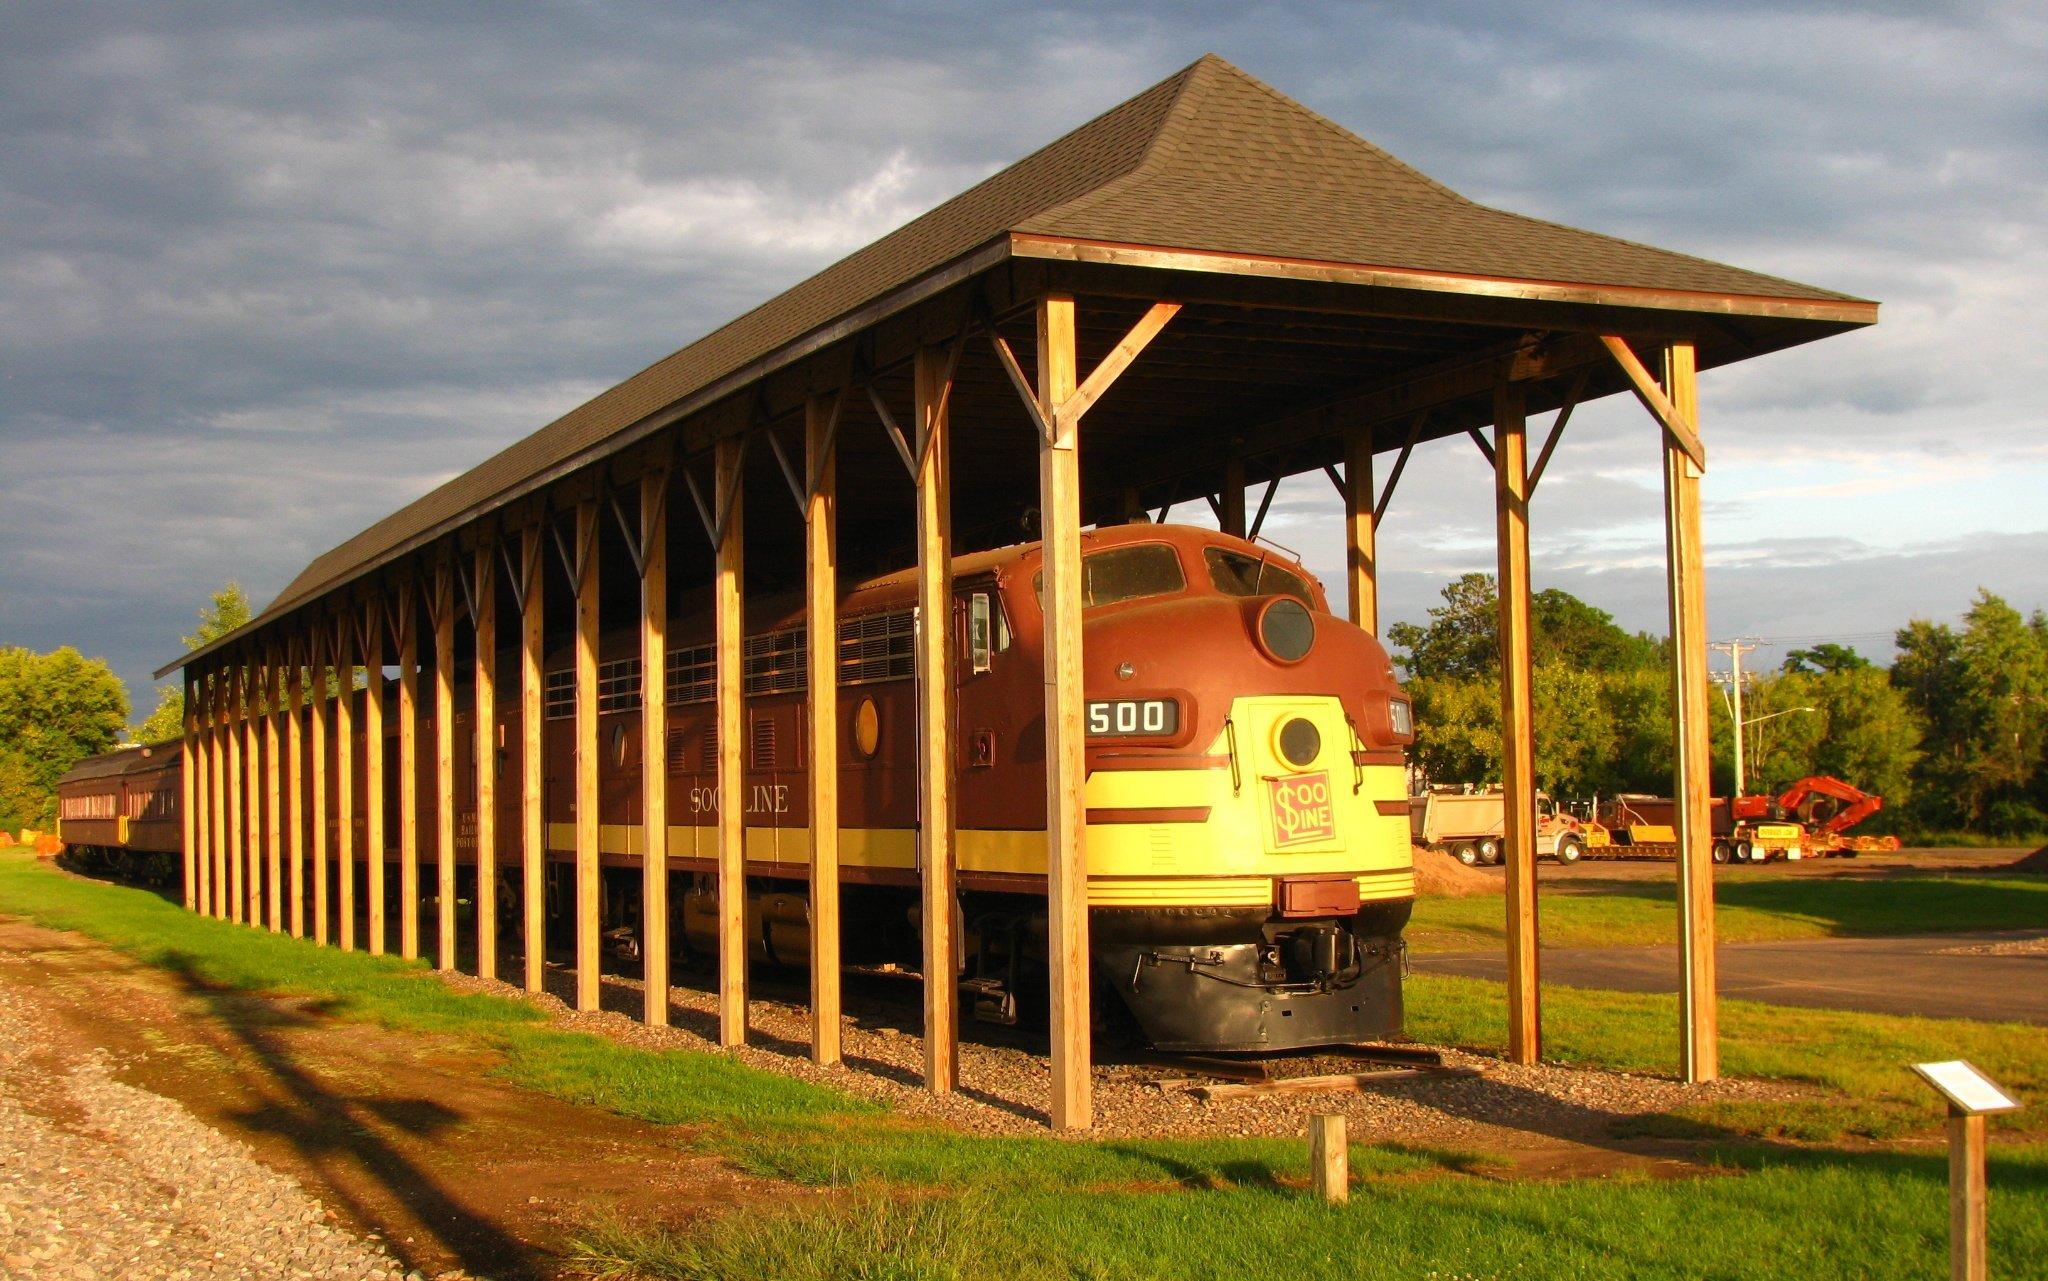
1125,573
1236,574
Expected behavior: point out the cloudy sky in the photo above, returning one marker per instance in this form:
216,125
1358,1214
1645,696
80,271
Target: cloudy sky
269,271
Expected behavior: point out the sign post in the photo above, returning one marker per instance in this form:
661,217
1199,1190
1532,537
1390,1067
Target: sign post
1971,1097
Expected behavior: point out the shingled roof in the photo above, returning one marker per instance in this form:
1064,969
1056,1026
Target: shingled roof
1209,160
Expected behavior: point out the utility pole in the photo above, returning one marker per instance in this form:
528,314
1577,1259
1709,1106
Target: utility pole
1735,649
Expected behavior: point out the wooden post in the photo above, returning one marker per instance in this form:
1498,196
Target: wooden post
1967,1197
654,743
252,820
1360,535
1059,504
1329,1159
444,760
273,796
730,632
188,807
344,785
237,851
533,840
295,790
374,847
217,754
316,751
484,711
821,583
1517,721
1699,1034
1232,520
406,621
935,702
588,885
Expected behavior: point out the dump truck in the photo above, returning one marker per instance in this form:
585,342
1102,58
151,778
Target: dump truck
1467,822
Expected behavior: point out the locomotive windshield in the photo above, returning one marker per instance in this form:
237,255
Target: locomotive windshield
1236,574
1125,573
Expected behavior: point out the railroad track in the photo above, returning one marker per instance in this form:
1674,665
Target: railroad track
1209,1078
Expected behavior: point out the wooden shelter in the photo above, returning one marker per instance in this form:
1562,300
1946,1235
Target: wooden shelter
1202,290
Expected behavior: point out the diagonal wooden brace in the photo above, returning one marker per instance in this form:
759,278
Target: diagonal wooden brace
1683,434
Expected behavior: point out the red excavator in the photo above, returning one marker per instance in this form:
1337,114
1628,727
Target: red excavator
1826,808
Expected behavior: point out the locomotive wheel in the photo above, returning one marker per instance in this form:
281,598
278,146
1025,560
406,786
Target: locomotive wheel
1465,854
1720,851
1489,852
1569,850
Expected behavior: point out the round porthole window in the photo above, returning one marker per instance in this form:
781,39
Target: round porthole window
867,728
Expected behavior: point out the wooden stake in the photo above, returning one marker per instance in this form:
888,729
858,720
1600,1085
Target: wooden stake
484,711
407,624
935,703
1360,530
533,840
1967,1197
344,788
295,792
1517,721
1329,1159
821,583
374,847
317,749
1059,490
589,924
444,760
1232,520
1699,1035
732,832
654,744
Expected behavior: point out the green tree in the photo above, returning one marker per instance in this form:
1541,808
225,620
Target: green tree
225,611
2003,706
1462,638
1825,657
56,709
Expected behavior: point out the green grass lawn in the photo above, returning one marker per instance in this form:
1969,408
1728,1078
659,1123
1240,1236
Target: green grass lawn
1631,913
1869,1215
896,1198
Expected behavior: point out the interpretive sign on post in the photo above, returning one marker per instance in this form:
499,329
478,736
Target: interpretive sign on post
1971,1097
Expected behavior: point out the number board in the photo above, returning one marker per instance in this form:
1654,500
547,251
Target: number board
1133,718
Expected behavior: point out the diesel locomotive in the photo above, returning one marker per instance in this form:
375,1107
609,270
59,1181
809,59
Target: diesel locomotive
1248,856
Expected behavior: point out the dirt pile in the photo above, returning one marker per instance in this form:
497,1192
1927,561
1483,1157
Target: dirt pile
2035,862
1438,873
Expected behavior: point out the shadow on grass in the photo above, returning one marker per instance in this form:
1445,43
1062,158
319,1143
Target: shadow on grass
331,1129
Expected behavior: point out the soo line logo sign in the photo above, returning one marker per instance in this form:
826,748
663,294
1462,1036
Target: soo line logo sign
1302,812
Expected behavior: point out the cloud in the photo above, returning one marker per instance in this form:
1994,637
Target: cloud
272,271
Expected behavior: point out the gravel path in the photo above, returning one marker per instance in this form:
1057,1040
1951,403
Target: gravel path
102,1180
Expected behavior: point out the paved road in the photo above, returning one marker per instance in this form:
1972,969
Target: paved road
1920,975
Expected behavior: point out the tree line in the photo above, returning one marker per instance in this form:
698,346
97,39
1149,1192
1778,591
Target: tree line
1954,734
58,708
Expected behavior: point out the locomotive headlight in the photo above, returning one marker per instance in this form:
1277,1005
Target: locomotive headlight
1401,717
1298,741
1286,630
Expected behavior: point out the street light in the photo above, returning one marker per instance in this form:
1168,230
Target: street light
1755,720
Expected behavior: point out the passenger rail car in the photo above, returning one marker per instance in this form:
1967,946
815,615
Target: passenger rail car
123,811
